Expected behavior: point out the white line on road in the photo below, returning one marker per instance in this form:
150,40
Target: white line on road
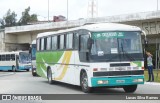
6,74
152,83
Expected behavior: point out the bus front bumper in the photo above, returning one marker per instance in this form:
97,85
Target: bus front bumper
116,81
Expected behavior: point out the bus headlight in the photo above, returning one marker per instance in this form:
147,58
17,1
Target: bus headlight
102,82
138,80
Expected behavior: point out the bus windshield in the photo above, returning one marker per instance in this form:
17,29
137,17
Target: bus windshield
116,45
24,57
33,52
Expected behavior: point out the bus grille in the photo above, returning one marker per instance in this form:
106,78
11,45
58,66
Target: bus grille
118,73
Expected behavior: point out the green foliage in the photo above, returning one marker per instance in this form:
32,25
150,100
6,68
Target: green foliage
156,75
33,18
9,19
26,17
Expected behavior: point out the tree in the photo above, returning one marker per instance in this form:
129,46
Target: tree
26,17
9,19
2,24
33,18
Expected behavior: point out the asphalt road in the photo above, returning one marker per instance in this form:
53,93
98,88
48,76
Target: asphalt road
25,83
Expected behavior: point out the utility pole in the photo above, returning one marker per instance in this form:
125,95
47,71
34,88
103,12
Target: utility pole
67,14
92,9
157,5
48,10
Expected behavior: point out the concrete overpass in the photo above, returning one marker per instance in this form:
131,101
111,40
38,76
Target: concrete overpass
19,37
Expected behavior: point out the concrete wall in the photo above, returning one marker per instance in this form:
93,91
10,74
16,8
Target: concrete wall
10,38
2,44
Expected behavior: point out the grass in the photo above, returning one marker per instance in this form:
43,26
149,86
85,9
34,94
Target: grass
156,79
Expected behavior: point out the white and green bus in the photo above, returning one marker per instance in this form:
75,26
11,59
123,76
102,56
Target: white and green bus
95,55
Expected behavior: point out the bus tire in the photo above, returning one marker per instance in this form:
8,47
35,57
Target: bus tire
84,83
49,76
34,74
27,70
130,88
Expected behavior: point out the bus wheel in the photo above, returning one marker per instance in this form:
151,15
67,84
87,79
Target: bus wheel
49,76
84,83
27,70
34,73
130,88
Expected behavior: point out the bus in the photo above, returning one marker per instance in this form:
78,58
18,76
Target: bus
14,61
94,55
33,57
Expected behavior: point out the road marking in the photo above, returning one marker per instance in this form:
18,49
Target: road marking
152,83
6,74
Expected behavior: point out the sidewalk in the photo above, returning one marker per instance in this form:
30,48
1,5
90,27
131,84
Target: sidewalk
152,83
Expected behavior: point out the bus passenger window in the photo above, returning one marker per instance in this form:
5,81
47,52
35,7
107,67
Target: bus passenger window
3,57
45,44
76,41
38,43
54,43
0,57
12,57
83,42
69,41
48,43
42,44
8,57
61,42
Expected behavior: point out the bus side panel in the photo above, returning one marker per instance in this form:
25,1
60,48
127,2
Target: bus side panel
64,70
6,65
79,66
46,59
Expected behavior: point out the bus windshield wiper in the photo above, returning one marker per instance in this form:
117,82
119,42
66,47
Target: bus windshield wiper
126,54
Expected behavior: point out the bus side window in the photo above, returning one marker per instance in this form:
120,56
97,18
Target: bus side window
38,43
0,57
8,57
69,41
83,42
61,42
12,57
48,43
45,44
58,42
83,50
42,44
76,41
54,43
3,57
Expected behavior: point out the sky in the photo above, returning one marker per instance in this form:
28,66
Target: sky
77,8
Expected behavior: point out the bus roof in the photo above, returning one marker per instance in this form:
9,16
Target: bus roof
96,27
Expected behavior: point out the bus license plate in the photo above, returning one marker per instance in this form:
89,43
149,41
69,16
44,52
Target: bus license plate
120,81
